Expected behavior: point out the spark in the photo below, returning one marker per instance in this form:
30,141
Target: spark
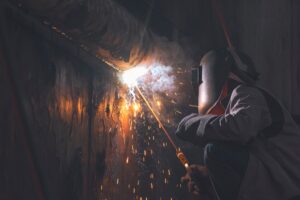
151,176
151,186
158,103
177,111
193,106
136,107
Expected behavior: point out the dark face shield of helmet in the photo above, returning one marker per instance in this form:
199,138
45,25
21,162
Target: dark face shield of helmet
215,69
196,78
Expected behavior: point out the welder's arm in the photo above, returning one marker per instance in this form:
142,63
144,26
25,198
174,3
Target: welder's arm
248,114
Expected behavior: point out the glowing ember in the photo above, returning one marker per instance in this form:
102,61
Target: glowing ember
131,76
151,176
151,186
136,107
158,103
169,172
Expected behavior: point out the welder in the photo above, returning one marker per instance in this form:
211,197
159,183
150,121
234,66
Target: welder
251,143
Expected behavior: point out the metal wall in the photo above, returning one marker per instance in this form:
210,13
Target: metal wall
64,133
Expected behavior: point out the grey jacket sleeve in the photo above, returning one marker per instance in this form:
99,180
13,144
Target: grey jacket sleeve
247,114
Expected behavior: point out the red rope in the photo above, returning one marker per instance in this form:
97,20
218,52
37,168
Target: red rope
221,18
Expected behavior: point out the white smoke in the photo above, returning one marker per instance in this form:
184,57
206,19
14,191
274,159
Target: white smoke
159,78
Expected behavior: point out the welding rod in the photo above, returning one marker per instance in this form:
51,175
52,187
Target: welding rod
180,155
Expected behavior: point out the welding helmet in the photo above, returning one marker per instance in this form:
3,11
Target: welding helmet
212,73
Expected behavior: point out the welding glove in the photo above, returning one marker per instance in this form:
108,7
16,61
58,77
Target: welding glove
198,182
188,127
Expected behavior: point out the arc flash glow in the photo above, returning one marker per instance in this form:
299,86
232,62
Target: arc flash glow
130,77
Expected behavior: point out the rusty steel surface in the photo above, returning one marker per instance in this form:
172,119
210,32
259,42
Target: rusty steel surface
88,143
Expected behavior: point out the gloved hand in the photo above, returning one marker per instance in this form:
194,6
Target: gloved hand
198,181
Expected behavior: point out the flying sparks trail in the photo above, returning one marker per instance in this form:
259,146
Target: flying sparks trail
130,78
180,155
156,117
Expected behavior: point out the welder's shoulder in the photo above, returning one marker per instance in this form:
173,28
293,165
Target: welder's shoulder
249,93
